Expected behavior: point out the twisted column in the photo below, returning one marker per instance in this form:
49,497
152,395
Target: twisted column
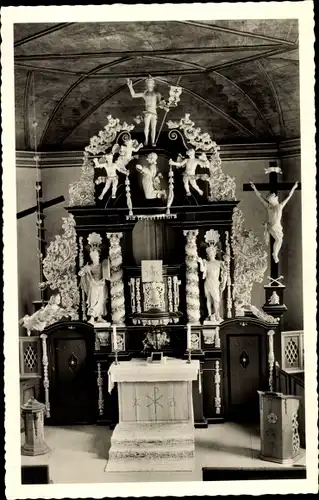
117,285
192,280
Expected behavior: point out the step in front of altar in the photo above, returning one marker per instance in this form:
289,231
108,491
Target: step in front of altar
156,446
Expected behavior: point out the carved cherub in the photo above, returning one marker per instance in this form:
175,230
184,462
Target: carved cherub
190,164
126,151
111,178
45,316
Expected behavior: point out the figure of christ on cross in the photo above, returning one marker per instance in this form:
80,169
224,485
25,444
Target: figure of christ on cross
274,210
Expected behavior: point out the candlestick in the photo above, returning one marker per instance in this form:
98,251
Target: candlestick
189,337
189,359
114,335
116,357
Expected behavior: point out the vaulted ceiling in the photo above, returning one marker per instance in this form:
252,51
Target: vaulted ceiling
240,78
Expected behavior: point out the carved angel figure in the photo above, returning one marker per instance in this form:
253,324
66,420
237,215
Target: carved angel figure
93,282
126,151
273,225
215,276
111,178
151,178
152,99
190,164
46,316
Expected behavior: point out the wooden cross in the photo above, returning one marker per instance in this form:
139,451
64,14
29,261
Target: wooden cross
273,186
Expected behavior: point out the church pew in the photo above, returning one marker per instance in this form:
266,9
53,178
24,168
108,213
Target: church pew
253,473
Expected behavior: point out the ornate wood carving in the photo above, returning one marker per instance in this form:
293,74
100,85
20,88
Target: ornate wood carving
46,383
117,285
192,279
99,381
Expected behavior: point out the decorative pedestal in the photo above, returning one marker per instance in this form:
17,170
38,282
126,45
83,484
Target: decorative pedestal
156,422
32,413
279,427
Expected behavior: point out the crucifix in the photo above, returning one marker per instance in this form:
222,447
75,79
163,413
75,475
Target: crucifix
273,227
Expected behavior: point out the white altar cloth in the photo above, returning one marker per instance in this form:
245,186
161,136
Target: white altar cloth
139,370
156,421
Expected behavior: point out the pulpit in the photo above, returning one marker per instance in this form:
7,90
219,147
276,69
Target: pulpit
279,427
156,423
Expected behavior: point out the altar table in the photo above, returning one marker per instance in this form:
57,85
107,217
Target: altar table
156,423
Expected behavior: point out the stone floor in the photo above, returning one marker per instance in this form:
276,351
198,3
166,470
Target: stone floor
79,454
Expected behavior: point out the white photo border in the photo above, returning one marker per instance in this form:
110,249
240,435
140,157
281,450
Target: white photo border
303,11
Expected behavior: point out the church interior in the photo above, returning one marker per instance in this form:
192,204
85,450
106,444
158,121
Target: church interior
159,248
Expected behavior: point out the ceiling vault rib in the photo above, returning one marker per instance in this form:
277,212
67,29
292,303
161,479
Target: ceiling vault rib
92,110
234,122
48,70
71,88
220,112
179,61
26,108
254,57
181,72
42,33
138,53
215,27
276,97
246,96
249,99
215,108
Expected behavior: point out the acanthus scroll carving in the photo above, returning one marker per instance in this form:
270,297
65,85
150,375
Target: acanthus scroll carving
59,267
250,259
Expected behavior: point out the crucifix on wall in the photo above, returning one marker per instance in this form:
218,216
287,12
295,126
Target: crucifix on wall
273,226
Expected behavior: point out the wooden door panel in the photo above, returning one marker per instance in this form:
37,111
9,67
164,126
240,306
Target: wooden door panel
244,373
72,387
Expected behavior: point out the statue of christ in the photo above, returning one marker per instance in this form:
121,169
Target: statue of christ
151,98
273,225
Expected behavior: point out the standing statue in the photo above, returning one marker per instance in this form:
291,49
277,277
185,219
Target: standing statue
151,178
273,226
215,276
190,164
151,98
93,281
111,178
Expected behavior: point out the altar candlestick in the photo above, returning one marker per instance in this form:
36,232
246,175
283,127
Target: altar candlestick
114,338
189,337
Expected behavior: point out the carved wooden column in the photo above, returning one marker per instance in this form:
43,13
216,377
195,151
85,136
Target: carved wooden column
271,358
46,383
192,280
117,285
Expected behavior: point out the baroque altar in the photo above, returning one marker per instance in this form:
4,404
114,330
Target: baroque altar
155,255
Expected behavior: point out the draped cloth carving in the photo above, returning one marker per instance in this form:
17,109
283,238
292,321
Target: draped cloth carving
59,267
